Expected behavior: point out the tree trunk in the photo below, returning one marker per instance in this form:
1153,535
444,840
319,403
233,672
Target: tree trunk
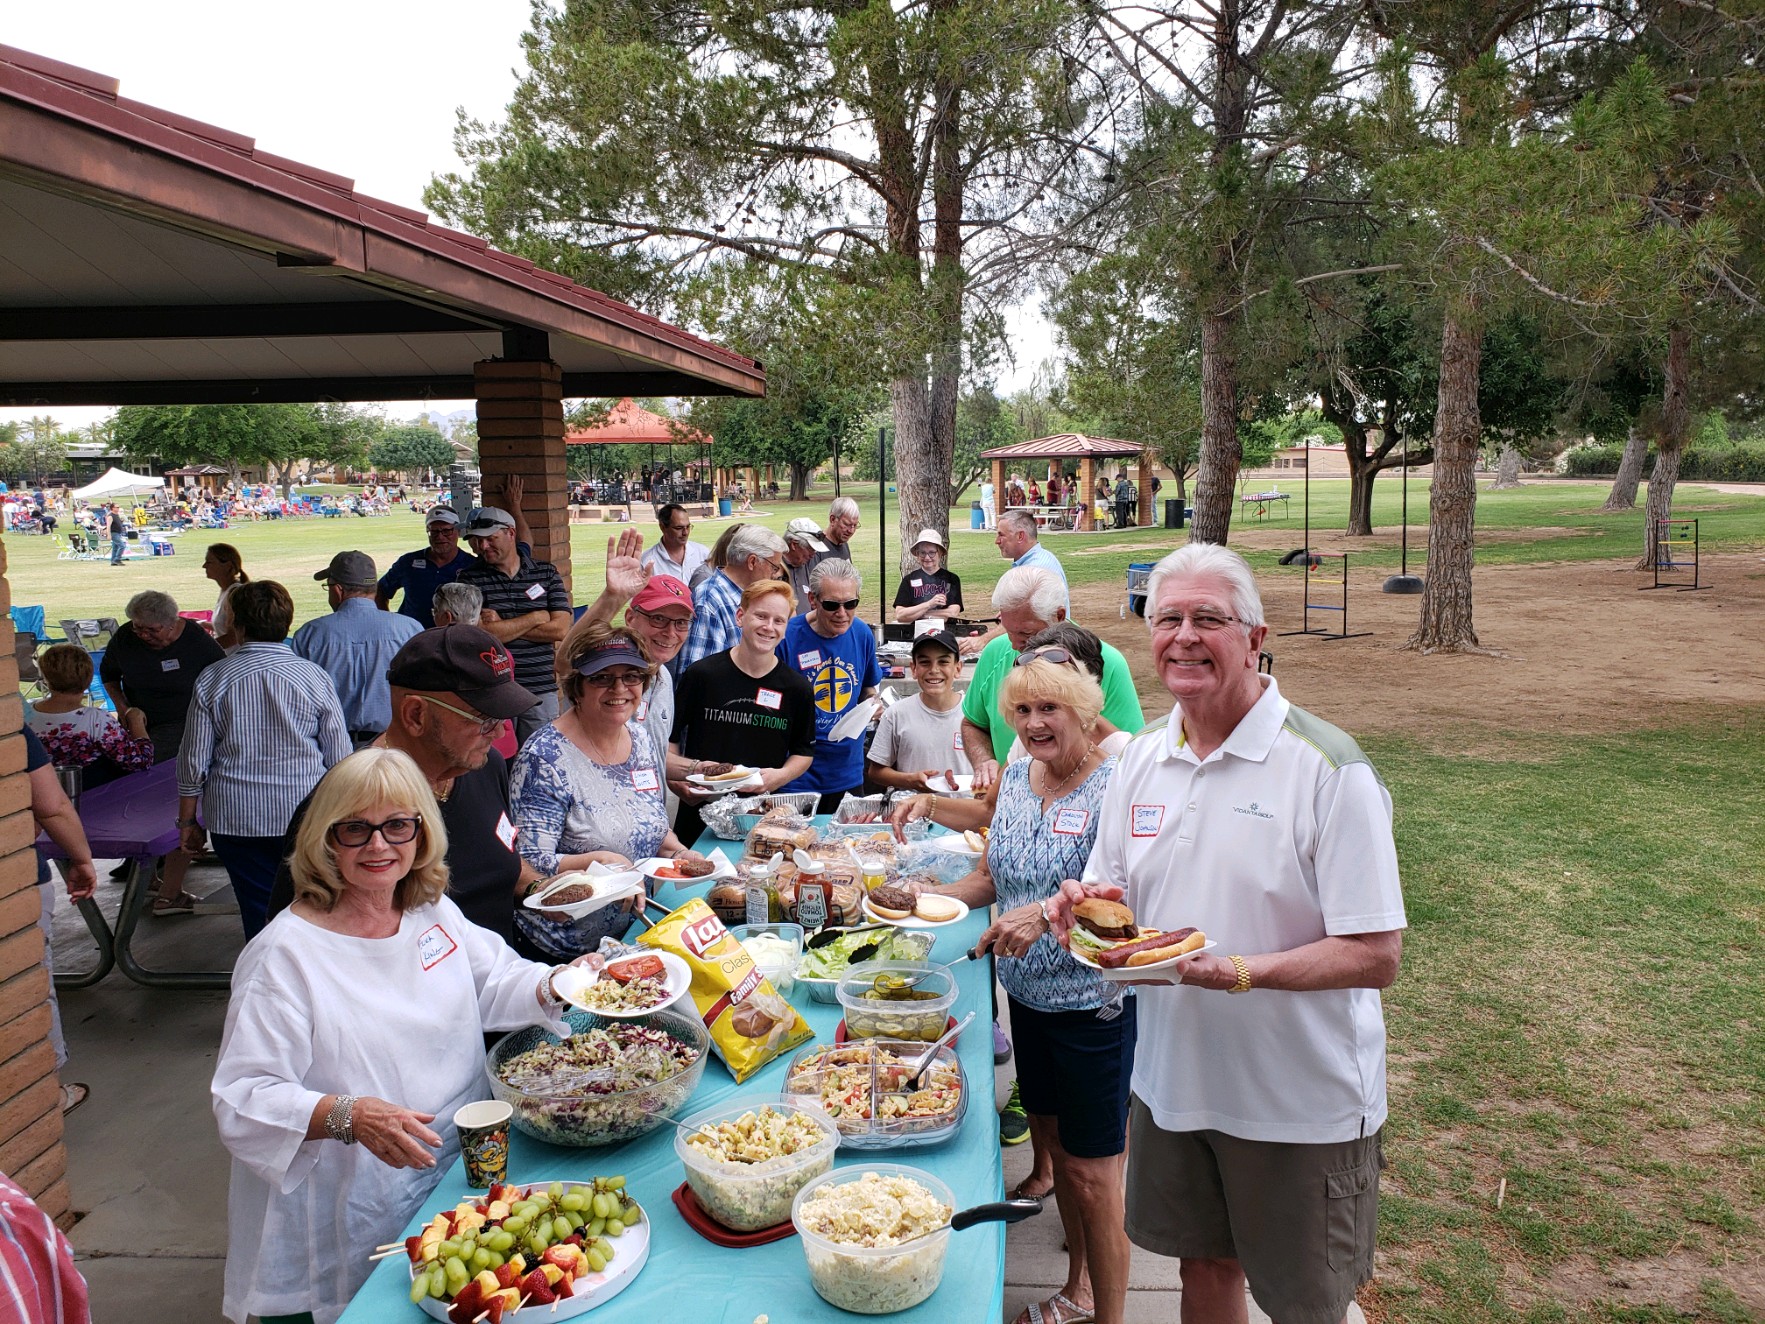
1670,439
1507,473
799,481
1445,625
1221,452
1623,493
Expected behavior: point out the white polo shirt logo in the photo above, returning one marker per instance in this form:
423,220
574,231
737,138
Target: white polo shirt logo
1253,809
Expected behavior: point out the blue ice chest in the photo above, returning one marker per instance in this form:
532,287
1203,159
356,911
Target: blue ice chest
1138,573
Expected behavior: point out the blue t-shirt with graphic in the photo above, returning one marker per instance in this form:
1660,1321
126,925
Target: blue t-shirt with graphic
838,671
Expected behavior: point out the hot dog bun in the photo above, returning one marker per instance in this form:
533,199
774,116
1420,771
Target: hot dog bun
1151,940
1194,942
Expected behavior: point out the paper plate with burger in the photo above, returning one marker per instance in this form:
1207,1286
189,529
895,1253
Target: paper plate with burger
714,866
725,777
1105,937
898,906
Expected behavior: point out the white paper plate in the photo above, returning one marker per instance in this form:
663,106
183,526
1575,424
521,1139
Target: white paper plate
630,1251
1129,973
941,785
725,868
728,783
573,979
954,843
914,922
608,889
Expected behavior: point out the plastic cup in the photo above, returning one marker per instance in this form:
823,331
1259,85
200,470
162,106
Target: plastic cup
484,1141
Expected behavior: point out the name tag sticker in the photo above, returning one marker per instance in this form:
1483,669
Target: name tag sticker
917,583
168,664
768,698
644,779
643,709
810,659
505,831
536,590
434,946
1071,822
1146,820
417,562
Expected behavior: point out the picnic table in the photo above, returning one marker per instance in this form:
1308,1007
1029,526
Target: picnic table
1058,518
688,1277
1260,504
131,819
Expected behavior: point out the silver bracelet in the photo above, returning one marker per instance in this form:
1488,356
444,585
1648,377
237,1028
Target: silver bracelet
548,991
340,1119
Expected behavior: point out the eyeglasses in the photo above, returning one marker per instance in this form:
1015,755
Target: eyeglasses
850,604
606,680
359,832
1205,622
486,725
775,570
1058,656
666,624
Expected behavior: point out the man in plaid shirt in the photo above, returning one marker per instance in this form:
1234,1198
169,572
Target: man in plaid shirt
755,553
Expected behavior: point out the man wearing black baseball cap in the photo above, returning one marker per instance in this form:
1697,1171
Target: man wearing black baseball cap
452,690
920,737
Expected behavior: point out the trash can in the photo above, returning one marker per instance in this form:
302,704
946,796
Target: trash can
1173,514
976,520
725,507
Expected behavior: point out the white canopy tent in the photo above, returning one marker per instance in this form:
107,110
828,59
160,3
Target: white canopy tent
116,483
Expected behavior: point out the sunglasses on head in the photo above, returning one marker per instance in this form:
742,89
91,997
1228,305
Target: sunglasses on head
1058,656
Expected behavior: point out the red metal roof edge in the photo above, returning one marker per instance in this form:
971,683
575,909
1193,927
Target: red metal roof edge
236,156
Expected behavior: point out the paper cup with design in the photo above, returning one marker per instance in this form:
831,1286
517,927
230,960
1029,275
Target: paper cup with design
484,1141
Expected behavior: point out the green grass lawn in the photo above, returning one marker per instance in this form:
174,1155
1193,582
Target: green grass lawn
1537,522
1580,1013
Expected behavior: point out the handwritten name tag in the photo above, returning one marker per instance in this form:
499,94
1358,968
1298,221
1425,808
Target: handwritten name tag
1146,820
505,831
810,659
1071,822
434,946
536,590
769,698
168,664
644,779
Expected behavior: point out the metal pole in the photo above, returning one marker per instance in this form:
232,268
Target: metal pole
1404,581
882,519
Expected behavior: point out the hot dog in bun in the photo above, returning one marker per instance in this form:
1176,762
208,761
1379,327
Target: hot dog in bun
1105,932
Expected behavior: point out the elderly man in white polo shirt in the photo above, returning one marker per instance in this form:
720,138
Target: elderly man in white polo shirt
1254,1132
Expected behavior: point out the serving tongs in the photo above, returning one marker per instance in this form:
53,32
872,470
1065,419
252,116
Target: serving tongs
931,1054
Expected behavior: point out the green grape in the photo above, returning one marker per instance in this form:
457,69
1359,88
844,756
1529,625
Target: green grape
536,1244
596,1227
596,1261
467,1246
480,1259
419,1287
437,1281
633,1212
515,1225
615,1183
606,1204
457,1273
448,1248
583,1191
615,1227
576,1221
555,1190
561,1228
496,1261
572,1202
606,1249
501,1241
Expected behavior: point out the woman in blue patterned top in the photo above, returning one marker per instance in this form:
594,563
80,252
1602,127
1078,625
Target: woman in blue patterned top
588,788
1074,1032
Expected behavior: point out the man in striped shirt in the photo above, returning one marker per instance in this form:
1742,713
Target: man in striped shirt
755,553
38,1281
526,607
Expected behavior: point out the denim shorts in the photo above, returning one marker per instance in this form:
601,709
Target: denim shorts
1076,1068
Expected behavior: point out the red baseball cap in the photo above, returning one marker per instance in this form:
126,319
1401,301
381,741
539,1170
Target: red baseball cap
663,591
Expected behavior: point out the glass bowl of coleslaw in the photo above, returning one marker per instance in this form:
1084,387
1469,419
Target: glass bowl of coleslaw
611,1081
875,1236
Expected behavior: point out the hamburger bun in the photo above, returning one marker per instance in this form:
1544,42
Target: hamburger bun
891,902
975,840
1109,920
934,909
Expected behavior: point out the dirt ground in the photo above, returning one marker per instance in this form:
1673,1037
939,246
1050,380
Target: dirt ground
1578,649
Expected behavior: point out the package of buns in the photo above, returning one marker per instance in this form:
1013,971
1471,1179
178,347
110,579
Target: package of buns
749,1023
780,833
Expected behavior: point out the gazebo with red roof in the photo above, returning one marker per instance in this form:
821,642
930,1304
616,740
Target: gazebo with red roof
1064,446
630,424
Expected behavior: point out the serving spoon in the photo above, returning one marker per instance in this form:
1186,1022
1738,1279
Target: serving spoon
931,1054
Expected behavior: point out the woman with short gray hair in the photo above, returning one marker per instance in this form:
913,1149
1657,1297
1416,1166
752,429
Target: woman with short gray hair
152,664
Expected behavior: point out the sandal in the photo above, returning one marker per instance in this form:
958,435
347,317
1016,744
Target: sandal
1022,1191
73,1095
181,904
1057,1309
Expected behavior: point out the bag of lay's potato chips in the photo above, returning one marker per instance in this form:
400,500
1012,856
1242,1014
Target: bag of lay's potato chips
750,1023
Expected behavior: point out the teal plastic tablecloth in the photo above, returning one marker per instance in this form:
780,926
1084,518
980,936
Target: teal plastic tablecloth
689,1278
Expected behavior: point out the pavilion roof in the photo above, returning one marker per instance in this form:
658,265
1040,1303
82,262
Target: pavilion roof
631,424
1064,445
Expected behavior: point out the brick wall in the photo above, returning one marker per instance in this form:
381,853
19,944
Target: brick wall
521,431
31,1152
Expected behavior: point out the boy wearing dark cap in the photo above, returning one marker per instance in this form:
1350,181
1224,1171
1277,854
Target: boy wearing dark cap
921,736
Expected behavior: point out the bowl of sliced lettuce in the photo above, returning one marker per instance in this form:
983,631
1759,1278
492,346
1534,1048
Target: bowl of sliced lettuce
821,968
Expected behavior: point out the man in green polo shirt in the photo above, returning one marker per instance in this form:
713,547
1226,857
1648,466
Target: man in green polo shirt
1029,599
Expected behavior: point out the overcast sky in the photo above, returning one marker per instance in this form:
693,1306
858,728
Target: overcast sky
365,88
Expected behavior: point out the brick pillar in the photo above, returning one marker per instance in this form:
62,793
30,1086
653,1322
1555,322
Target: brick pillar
998,487
521,431
31,1152
1146,516
1088,494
